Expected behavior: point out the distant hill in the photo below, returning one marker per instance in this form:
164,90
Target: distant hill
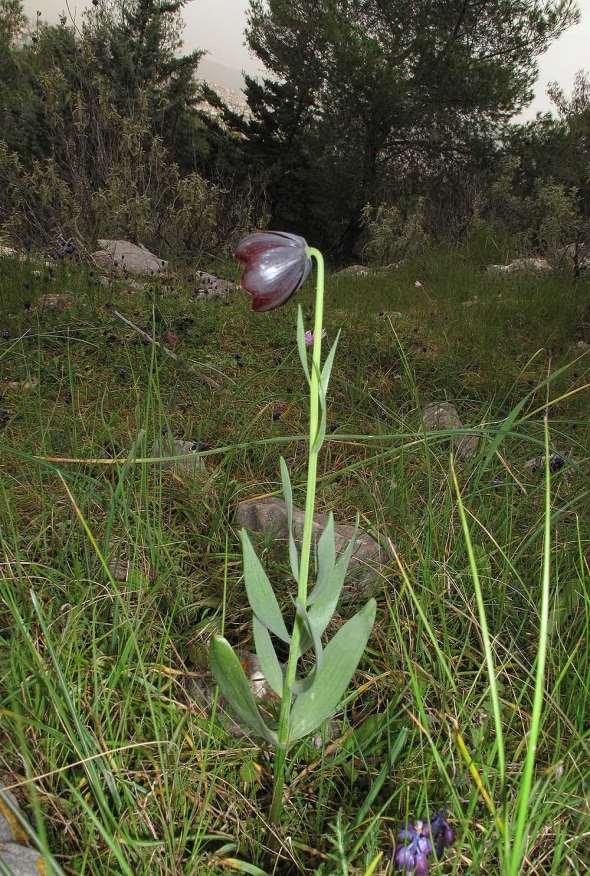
226,81
220,74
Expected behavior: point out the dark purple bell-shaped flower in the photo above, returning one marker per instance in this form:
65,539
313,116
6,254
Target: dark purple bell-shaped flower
276,264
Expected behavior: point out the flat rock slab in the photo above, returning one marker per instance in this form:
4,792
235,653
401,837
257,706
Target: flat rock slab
210,286
21,860
268,516
440,416
522,266
127,258
353,271
17,857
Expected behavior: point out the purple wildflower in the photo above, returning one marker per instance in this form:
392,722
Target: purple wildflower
309,337
419,840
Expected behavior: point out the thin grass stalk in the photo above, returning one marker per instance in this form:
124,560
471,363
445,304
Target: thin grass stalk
485,633
516,853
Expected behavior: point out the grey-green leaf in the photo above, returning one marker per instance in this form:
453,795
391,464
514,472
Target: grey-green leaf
288,494
341,658
301,685
326,556
269,662
327,369
328,587
261,596
234,686
324,380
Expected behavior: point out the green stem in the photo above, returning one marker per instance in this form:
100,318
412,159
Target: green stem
302,583
516,853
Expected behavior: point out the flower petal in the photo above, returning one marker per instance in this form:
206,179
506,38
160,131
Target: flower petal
276,264
274,276
253,244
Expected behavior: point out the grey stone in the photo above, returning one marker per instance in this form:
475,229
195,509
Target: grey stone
439,416
21,860
529,265
268,516
210,286
177,447
10,829
14,854
127,258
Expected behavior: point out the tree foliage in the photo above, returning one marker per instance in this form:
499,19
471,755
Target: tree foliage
358,87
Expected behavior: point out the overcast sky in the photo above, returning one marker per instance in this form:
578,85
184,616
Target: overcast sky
218,26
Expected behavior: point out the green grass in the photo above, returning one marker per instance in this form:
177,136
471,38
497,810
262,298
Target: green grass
118,767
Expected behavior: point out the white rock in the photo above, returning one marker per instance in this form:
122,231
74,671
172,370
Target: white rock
353,271
522,266
127,258
210,286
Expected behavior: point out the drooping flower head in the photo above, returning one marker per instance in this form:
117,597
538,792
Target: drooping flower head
276,264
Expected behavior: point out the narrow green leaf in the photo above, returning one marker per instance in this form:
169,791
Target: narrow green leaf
288,494
260,593
234,686
243,867
327,368
301,343
341,658
269,662
324,380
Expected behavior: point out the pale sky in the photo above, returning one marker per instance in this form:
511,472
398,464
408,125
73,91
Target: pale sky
218,26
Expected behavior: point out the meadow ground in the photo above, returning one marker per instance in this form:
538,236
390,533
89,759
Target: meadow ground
117,766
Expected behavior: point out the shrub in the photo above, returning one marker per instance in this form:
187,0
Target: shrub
392,235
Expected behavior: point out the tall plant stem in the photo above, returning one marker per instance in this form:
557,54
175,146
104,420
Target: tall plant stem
303,579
